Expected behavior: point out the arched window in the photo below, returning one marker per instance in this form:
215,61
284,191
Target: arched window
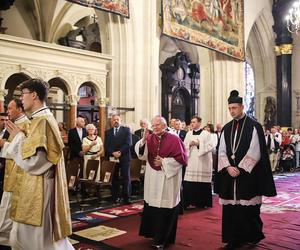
249,90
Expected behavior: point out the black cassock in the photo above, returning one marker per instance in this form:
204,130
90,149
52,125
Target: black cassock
243,223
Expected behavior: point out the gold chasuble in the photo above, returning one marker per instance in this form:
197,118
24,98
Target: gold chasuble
11,169
28,199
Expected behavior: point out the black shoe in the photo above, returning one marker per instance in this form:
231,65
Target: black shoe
160,247
232,245
127,202
2,247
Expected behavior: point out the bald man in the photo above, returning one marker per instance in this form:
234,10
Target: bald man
75,137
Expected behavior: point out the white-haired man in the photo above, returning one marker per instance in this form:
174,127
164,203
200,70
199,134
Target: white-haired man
144,125
165,155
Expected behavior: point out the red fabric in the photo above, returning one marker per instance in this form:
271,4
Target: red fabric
201,228
286,140
198,13
168,145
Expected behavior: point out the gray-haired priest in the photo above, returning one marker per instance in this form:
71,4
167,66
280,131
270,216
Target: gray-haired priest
165,155
244,176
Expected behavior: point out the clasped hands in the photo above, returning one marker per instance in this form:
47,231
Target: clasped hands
233,171
158,161
13,130
2,141
194,143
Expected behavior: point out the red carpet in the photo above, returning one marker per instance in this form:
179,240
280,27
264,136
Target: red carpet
201,229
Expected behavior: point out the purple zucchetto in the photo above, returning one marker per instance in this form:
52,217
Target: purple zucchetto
234,97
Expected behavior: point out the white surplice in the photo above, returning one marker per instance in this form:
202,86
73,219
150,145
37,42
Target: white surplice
199,168
28,237
161,188
5,221
247,163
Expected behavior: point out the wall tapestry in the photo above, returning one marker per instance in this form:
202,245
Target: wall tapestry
120,7
215,24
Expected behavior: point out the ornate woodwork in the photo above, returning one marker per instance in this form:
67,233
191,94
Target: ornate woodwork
180,87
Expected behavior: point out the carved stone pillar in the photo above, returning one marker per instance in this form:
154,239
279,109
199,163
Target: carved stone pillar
102,101
3,93
72,100
297,95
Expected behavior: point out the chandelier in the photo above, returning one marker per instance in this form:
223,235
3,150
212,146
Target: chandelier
293,18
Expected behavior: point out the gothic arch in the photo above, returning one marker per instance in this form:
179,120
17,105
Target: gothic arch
260,49
169,47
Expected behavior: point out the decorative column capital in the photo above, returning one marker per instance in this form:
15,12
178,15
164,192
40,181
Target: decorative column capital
102,101
297,92
283,49
3,93
72,100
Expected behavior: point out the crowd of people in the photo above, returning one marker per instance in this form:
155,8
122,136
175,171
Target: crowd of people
283,148
181,163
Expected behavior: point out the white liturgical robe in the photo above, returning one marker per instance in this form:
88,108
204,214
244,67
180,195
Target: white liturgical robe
199,168
161,188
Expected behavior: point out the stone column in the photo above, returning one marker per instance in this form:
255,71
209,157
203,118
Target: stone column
3,93
72,100
102,101
283,50
284,84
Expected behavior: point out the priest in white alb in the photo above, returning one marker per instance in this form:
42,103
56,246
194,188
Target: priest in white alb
197,191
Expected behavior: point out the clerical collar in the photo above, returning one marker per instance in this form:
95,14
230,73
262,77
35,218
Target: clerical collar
20,118
35,113
197,132
161,136
239,119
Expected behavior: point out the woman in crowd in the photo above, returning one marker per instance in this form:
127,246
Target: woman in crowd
92,147
63,132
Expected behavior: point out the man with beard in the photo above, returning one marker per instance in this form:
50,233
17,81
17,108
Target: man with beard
244,176
117,148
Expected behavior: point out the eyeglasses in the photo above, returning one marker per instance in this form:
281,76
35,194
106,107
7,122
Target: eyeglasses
3,119
23,93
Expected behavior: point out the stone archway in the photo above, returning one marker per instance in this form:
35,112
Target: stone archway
86,104
14,81
91,105
11,86
57,99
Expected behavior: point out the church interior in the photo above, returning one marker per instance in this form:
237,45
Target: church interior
99,62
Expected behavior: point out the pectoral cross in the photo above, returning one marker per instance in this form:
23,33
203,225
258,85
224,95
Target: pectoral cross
94,17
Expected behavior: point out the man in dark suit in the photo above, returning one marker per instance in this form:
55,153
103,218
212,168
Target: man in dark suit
75,137
140,132
117,148
178,129
3,135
